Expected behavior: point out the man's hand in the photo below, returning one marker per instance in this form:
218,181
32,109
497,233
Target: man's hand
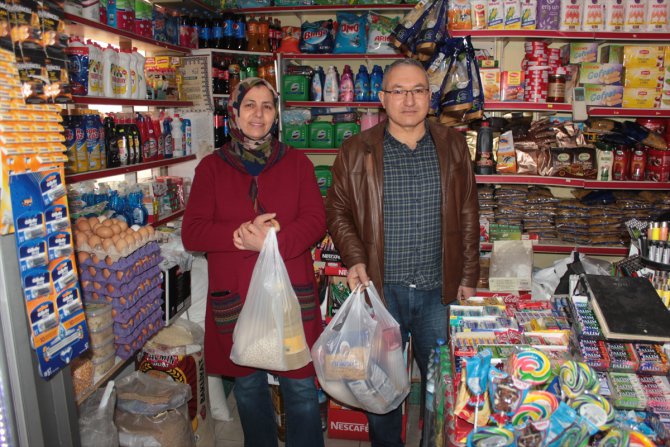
356,275
251,235
465,292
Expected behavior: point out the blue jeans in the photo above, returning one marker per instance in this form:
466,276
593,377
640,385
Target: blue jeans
301,405
421,313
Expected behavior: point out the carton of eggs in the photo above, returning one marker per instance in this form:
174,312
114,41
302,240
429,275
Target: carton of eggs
109,237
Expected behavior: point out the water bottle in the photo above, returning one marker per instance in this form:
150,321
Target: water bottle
484,163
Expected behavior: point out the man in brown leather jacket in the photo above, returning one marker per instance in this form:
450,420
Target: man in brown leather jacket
403,213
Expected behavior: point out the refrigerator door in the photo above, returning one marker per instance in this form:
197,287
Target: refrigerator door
39,412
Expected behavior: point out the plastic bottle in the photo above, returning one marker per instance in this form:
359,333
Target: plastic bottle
218,127
484,163
331,85
111,143
108,61
92,140
347,85
362,84
123,144
240,33
252,34
228,33
101,139
204,32
376,78
136,141
278,35
317,84
188,136
167,138
216,38
264,34
94,69
177,137
152,151
160,138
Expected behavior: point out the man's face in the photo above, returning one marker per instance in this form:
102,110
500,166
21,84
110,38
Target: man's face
406,109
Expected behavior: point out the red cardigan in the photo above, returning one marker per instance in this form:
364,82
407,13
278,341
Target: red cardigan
219,202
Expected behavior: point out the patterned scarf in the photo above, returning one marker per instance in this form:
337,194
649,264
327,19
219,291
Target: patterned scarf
248,155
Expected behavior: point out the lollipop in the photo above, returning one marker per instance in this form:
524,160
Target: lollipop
537,405
615,438
595,409
637,439
576,378
531,366
490,437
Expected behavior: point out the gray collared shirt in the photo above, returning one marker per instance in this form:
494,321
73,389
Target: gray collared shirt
412,223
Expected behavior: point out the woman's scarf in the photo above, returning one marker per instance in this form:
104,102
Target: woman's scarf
247,155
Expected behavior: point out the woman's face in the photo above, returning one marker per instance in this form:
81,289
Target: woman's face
257,112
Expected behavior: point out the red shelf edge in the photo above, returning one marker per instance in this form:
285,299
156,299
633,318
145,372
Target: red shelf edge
568,182
618,111
504,105
594,35
92,175
372,104
317,8
549,248
124,33
168,218
130,102
317,150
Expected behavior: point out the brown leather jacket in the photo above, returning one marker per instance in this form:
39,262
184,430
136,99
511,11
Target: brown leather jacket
354,207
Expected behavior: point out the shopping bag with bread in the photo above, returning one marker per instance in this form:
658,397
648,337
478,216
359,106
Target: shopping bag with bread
359,356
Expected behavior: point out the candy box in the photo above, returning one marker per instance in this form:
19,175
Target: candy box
583,52
643,77
641,98
595,73
603,95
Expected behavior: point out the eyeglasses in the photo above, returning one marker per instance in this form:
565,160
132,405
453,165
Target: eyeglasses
399,92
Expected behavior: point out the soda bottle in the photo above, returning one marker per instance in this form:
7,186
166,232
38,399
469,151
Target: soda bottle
216,80
264,35
252,34
240,33
219,131
278,35
204,32
228,24
216,38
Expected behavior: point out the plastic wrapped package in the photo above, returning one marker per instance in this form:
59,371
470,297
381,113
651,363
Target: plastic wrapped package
153,412
96,419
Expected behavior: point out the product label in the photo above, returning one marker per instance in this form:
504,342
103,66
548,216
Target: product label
119,80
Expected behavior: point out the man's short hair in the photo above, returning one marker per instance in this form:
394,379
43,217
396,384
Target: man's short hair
401,62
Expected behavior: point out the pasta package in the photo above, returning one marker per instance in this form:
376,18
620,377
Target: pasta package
571,15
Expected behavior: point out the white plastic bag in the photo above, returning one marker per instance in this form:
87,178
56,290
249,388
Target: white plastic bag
359,357
269,333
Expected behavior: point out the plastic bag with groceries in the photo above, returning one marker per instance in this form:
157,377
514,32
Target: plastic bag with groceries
359,356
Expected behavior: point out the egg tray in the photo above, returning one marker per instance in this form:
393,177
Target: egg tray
114,254
124,301
140,313
118,289
124,269
129,345
123,316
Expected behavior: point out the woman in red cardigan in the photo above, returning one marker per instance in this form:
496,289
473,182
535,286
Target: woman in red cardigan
236,193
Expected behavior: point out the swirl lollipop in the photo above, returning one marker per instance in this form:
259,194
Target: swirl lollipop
531,366
595,409
537,405
615,438
637,439
490,437
576,378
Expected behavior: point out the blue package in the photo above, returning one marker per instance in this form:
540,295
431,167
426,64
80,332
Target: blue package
351,36
317,37
159,25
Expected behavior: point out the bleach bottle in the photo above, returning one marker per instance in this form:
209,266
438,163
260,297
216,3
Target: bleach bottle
316,90
362,85
347,85
376,78
331,87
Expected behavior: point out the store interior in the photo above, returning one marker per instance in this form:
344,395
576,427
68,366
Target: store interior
107,108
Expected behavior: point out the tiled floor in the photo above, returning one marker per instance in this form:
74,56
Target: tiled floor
229,434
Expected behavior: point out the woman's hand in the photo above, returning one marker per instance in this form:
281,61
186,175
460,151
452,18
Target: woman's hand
251,235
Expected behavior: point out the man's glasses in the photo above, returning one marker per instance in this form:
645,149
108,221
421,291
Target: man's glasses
399,92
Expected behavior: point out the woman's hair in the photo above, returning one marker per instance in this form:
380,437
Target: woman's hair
403,62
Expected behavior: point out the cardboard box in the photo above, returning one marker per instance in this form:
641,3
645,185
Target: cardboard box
511,86
604,74
611,54
349,423
583,52
641,98
643,77
603,95
490,83
511,266
646,56
176,291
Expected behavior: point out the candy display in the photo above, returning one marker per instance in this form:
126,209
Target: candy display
531,366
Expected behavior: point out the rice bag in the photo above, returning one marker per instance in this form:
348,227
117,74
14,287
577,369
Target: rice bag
379,34
351,33
317,37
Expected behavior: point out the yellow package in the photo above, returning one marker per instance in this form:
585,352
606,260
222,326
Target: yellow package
643,77
459,15
490,83
646,56
528,14
495,15
594,73
478,14
641,98
512,10
506,155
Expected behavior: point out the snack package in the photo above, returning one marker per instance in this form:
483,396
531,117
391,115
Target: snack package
491,83
478,14
495,15
635,15
615,12
437,71
606,74
512,10
432,31
317,37
528,14
594,15
290,40
410,25
351,33
379,34
506,155
657,16
506,394
511,86
571,15
459,15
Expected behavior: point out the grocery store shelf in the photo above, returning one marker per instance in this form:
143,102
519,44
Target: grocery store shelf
79,26
371,104
195,6
568,182
130,102
527,106
317,150
92,175
610,111
166,219
330,56
323,8
119,364
568,248
566,35
207,51
220,95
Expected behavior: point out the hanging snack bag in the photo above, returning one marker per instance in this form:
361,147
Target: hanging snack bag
615,13
24,23
410,25
317,37
5,39
459,15
432,31
437,71
528,14
512,14
290,41
351,33
58,89
495,16
571,15
548,14
379,34
594,15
